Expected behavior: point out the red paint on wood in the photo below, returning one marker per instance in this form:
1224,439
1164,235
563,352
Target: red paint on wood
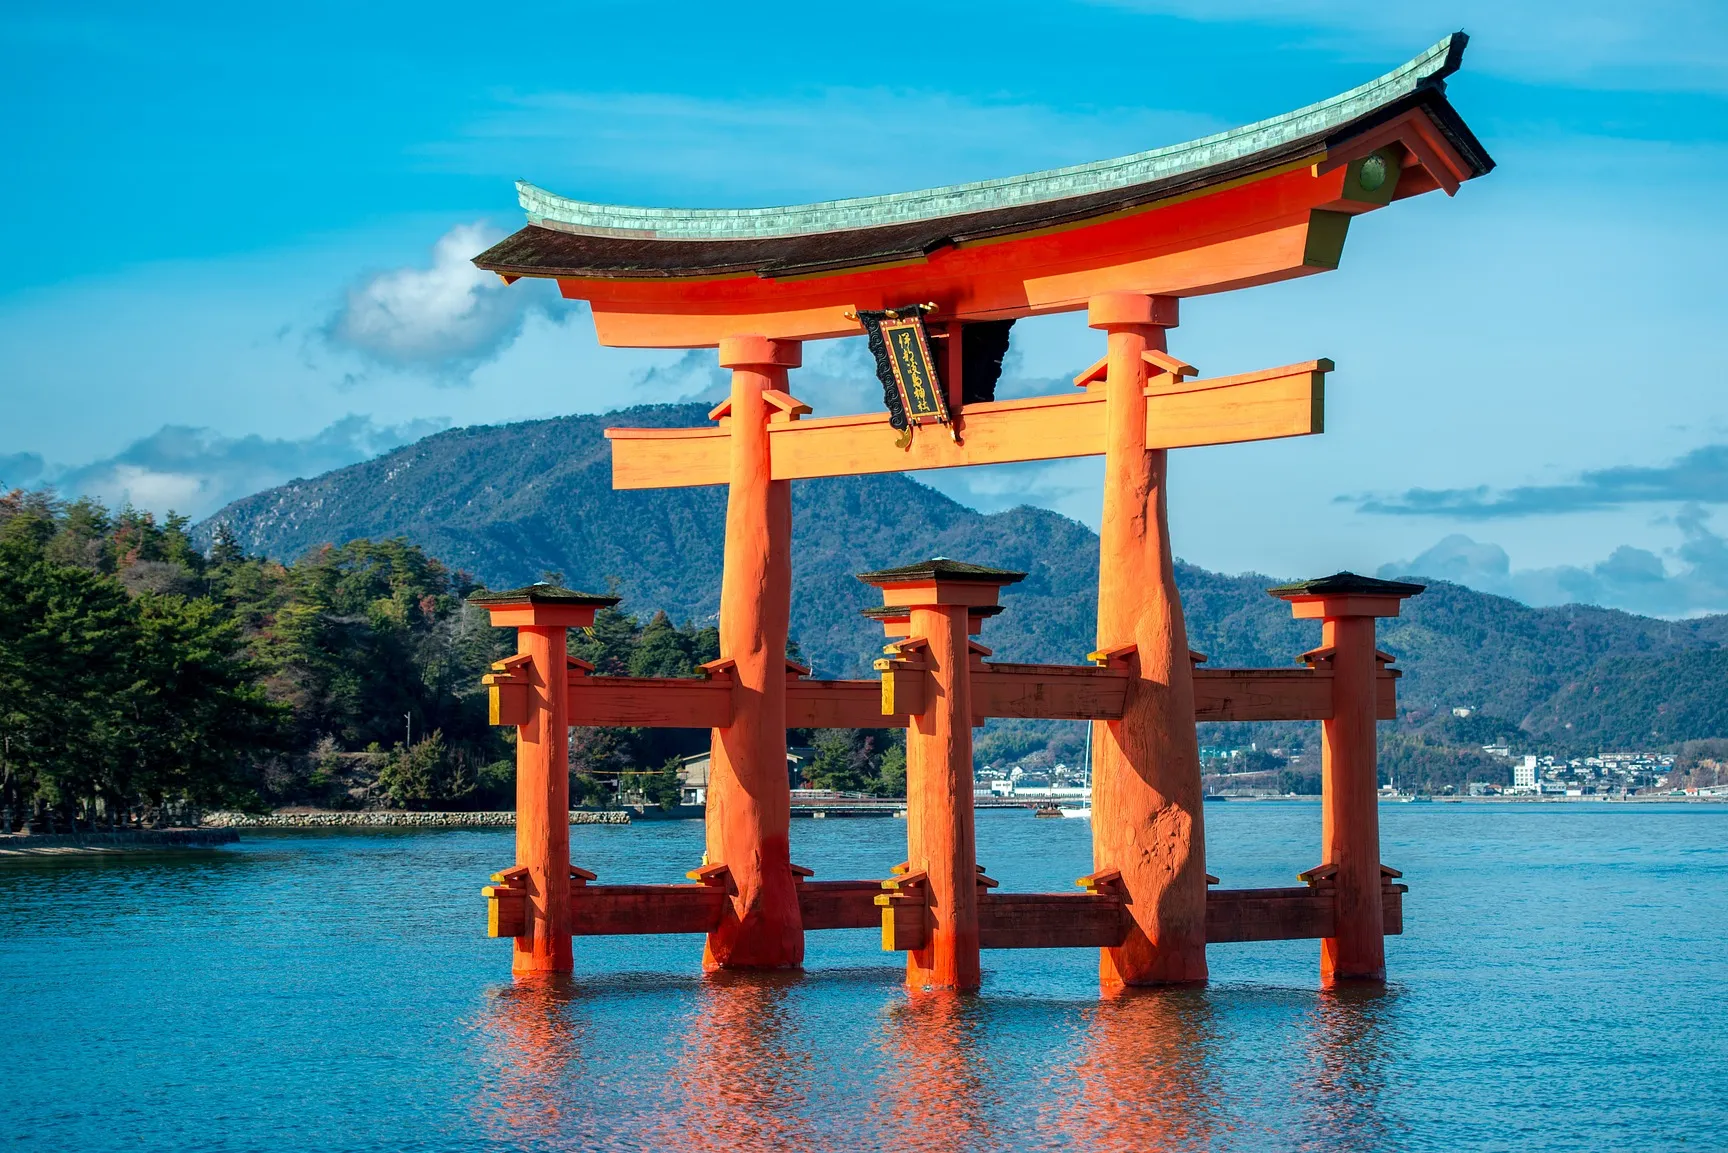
543,805
749,797
1146,811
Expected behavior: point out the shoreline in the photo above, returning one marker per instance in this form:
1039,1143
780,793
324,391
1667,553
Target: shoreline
109,843
394,819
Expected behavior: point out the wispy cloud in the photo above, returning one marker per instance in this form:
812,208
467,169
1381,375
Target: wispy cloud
1629,578
196,471
1701,476
834,142
447,317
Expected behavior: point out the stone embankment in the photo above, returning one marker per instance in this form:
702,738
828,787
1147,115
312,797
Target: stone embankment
390,819
119,841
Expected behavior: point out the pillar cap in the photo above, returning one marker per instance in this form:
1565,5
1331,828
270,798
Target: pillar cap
1345,594
542,604
940,582
760,351
942,569
1121,309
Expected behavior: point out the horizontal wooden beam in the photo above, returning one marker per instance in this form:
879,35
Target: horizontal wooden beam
1049,921
1005,920
1279,695
1055,692
1297,913
1062,692
839,904
651,702
601,910
1265,405
838,705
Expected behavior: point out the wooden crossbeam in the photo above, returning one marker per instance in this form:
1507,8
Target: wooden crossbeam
1005,920
1051,692
1265,405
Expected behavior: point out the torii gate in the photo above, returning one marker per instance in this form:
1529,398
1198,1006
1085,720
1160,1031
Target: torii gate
1124,239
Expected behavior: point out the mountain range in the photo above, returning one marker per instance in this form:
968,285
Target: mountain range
516,503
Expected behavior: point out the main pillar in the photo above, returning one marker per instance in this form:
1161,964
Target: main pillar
1347,605
1146,814
944,601
539,705
749,795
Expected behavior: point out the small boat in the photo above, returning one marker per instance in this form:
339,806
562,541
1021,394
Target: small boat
1047,810
1209,797
1085,813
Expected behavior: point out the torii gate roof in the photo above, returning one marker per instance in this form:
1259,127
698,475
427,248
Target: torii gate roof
1258,203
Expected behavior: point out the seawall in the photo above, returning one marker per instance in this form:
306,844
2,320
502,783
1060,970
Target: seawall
392,819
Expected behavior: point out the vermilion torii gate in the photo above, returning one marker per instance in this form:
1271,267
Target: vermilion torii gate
1124,239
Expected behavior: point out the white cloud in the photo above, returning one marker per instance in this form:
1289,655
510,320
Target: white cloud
447,317
1630,578
196,471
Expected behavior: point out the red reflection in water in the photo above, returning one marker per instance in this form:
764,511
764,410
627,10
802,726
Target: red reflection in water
935,1097
743,1080
534,1042
1144,1081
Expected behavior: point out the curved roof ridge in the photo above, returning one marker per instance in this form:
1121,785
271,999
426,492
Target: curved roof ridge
1426,70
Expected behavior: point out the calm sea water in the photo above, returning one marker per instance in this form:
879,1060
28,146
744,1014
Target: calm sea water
1560,985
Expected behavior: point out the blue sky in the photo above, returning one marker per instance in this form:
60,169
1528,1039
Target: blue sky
234,247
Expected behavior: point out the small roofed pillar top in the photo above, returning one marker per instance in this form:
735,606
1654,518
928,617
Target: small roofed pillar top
542,606
1345,594
937,583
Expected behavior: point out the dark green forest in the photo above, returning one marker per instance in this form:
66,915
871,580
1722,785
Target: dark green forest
143,680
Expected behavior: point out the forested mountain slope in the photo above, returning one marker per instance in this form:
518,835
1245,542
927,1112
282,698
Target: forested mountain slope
511,503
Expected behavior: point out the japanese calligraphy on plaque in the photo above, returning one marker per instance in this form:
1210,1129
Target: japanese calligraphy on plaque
911,391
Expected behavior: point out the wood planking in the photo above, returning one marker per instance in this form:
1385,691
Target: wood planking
838,705
599,910
1065,692
1267,405
1057,692
1049,921
1298,913
839,904
651,702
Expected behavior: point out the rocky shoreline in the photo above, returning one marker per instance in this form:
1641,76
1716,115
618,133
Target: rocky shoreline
391,819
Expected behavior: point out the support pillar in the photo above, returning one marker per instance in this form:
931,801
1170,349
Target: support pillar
749,796
943,600
1347,605
532,690
1146,809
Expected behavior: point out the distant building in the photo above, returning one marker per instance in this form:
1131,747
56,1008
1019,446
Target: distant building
693,775
1462,710
1524,774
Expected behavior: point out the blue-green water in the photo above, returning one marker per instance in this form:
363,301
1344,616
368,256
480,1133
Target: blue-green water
1559,986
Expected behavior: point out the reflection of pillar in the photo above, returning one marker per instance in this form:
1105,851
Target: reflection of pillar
939,1095
1143,1075
744,1077
1347,605
532,1038
941,597
541,614
749,796
1146,817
